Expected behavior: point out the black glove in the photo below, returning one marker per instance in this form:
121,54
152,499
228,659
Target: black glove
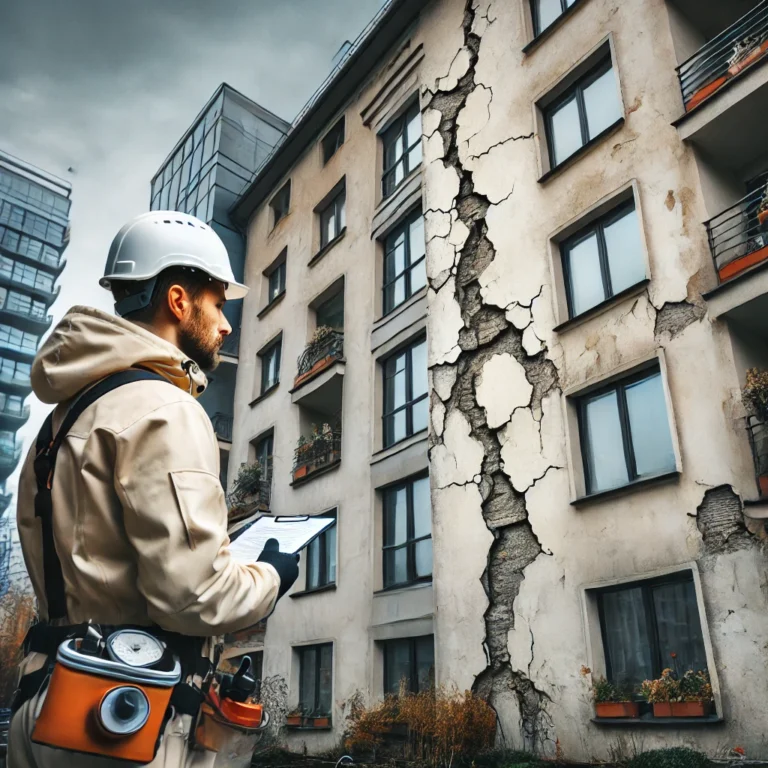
287,566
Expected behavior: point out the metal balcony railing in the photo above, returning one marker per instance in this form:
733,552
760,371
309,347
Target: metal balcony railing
231,345
758,439
30,314
17,378
321,451
222,426
724,56
328,347
737,239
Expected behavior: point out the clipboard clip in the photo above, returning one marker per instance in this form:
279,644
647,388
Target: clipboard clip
291,518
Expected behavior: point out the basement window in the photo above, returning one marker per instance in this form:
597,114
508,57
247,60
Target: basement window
625,433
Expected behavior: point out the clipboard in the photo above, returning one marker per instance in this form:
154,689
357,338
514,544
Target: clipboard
293,533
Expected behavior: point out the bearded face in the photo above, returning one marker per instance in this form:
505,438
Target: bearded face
199,337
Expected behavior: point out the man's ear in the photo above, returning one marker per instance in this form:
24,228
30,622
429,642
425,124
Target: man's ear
178,302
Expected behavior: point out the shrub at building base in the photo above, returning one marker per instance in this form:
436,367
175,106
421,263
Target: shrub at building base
439,727
675,757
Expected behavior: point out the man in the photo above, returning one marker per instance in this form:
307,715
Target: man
139,517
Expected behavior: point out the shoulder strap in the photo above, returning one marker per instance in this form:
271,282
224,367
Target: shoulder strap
47,448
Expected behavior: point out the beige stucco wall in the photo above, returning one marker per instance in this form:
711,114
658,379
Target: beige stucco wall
647,530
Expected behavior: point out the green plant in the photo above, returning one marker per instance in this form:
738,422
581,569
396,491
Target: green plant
247,480
605,691
755,392
674,757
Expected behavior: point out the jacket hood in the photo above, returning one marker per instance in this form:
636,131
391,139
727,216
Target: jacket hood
89,344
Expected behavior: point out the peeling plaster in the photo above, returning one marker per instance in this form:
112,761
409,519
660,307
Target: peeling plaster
501,388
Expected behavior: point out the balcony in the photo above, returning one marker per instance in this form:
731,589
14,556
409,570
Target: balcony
222,426
13,417
9,458
15,382
319,382
30,320
316,454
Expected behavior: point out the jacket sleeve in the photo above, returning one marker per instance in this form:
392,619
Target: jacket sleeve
176,520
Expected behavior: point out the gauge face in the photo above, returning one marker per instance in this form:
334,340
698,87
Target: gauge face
135,648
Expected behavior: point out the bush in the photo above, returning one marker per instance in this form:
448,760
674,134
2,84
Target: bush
505,758
674,757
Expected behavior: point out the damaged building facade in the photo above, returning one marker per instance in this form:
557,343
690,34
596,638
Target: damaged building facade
588,190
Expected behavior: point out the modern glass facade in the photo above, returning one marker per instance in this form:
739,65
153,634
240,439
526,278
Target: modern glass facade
203,176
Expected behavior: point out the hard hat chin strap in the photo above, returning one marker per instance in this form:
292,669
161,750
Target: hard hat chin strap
137,301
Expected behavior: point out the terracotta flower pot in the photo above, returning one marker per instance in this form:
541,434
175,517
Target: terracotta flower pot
293,721
762,216
682,709
322,722
300,472
751,57
617,709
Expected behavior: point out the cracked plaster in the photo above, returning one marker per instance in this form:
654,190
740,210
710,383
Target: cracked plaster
501,388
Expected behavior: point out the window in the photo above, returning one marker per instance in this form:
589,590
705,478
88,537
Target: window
264,449
11,370
331,312
316,679
625,432
402,149
649,626
333,219
281,203
407,533
546,12
333,141
404,264
16,339
270,366
276,282
405,393
587,108
412,661
321,558
603,259
11,404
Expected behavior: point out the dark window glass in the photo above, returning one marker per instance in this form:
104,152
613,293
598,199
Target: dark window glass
321,558
270,366
586,109
333,140
331,312
410,661
333,219
649,626
404,265
264,449
625,432
603,259
407,533
316,679
277,282
405,393
281,203
402,149
545,12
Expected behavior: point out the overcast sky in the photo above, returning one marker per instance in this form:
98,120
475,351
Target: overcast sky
107,87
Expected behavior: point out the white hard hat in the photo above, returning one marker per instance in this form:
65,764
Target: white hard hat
154,241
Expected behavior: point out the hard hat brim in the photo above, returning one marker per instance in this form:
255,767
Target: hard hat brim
236,291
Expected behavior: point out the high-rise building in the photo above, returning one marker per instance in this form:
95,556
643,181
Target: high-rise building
202,176
568,197
34,232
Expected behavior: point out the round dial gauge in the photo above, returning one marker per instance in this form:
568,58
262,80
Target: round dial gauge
135,648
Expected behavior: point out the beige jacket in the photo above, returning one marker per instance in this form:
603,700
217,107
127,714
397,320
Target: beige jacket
140,520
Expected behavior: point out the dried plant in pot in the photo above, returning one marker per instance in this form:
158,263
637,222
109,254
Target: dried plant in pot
689,695
295,718
745,52
614,699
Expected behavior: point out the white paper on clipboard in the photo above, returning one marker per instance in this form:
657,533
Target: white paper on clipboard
293,533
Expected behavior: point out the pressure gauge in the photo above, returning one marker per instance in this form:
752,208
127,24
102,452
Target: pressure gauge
134,648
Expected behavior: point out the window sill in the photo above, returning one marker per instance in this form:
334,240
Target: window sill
400,445
556,24
385,199
312,475
278,223
628,488
395,312
649,721
327,247
265,394
309,727
569,161
272,304
603,306
315,591
396,588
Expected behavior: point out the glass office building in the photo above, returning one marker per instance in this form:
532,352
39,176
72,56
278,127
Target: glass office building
203,176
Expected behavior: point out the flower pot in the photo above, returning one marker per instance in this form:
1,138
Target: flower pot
762,216
751,57
300,472
682,709
617,709
321,722
293,721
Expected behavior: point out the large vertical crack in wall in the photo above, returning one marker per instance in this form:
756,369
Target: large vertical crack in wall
486,333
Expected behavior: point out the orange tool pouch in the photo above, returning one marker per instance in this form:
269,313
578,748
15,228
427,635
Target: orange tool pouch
222,720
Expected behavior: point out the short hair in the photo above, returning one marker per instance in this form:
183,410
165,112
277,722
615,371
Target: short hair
193,281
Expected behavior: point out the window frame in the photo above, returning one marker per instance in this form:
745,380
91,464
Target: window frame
619,385
410,541
399,127
646,586
302,650
413,681
410,402
597,226
280,269
323,580
275,204
261,440
576,90
336,206
264,355
331,139
535,5
404,225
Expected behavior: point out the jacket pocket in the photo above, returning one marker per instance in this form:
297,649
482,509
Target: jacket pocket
201,503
